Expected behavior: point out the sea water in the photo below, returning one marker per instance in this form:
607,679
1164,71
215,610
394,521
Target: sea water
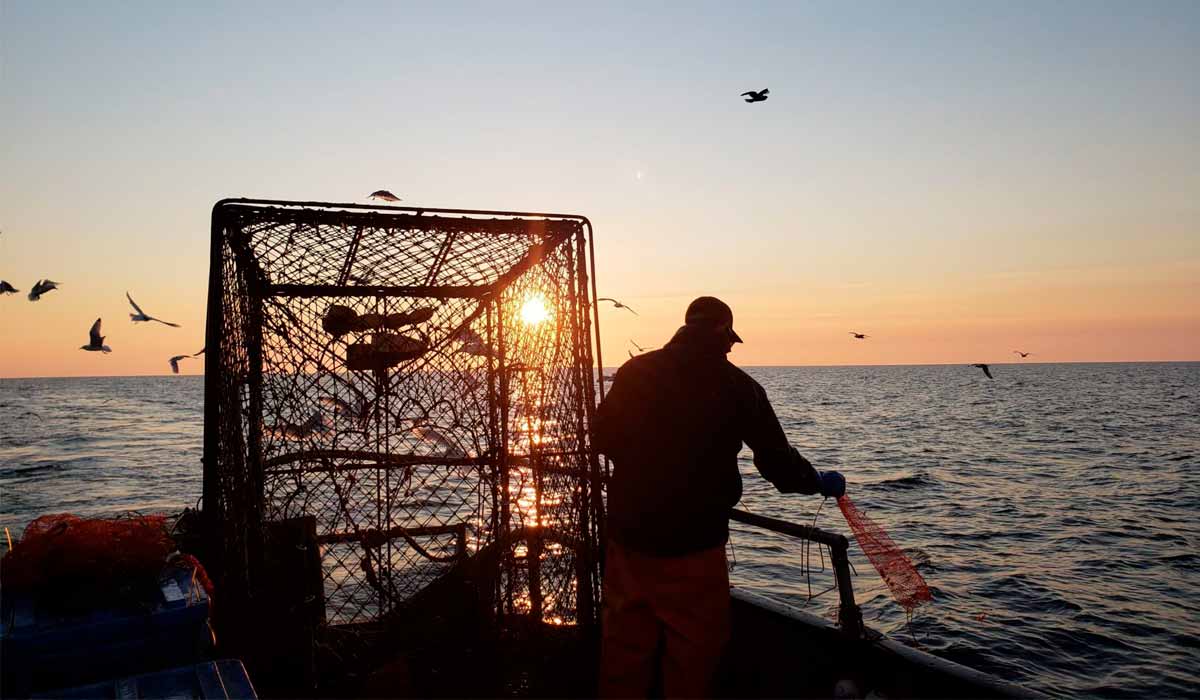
1052,509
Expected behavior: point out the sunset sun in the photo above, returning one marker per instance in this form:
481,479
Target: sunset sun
534,311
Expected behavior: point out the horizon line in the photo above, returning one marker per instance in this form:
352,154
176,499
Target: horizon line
902,364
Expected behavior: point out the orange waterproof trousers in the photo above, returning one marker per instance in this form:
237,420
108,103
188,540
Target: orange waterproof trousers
672,611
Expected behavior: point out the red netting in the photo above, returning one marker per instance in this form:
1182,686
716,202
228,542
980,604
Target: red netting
60,549
907,585
199,575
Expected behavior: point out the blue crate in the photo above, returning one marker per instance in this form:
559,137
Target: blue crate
214,680
43,649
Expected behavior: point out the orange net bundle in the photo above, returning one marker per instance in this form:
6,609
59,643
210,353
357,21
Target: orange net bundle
101,553
902,578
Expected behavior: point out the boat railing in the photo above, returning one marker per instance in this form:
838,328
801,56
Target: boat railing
849,614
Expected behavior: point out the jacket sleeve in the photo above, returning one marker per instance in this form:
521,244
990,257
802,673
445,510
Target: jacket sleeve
776,460
609,431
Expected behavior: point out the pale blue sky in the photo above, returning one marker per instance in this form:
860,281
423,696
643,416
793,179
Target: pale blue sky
911,154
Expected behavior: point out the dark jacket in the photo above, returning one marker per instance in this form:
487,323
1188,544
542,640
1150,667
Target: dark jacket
673,424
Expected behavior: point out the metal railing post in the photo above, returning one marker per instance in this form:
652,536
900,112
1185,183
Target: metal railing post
849,614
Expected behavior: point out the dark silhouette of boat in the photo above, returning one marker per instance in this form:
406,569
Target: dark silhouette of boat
447,642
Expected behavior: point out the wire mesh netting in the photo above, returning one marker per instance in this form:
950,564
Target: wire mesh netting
421,383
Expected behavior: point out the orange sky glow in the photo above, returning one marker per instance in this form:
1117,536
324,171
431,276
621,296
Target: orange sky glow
1000,180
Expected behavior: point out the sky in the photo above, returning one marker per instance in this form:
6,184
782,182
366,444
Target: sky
955,180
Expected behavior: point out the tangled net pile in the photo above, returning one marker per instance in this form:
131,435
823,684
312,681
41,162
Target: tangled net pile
907,585
102,553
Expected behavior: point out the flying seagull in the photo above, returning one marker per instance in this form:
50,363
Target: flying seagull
859,336
384,195
175,362
472,343
359,411
40,288
479,349
1023,354
365,277
95,340
466,335
201,351
424,430
618,305
141,315
316,425
6,288
985,369
639,347
752,96
436,438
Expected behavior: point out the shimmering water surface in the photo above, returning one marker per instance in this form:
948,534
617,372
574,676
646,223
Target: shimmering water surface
1052,510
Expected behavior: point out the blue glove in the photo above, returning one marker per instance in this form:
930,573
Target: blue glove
833,484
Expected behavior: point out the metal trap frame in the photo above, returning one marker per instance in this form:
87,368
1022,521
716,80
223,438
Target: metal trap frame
418,382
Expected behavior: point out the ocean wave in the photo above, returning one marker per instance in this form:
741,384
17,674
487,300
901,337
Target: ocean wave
31,469
907,481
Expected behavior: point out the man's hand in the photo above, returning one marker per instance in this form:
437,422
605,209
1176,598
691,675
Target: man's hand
833,484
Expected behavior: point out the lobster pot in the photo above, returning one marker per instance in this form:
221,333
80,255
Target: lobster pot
419,383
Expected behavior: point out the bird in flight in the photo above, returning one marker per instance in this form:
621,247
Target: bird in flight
477,348
472,343
358,411
438,439
1023,354
6,288
618,305
466,335
859,336
95,340
422,428
984,368
201,352
752,96
364,277
315,426
141,315
40,288
639,347
384,195
175,362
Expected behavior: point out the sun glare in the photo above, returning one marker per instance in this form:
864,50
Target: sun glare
534,311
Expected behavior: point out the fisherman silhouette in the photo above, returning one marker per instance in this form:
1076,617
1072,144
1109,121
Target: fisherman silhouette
673,424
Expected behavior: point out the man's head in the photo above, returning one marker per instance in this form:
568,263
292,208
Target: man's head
712,315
